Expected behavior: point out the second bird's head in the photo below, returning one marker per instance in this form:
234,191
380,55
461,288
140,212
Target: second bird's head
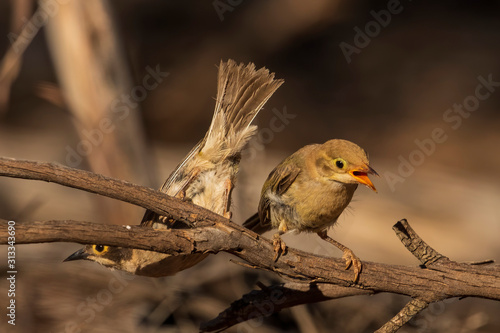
109,256
344,162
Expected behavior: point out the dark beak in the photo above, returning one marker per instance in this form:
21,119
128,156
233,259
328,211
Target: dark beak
78,255
373,172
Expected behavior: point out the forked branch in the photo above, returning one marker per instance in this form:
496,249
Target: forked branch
312,278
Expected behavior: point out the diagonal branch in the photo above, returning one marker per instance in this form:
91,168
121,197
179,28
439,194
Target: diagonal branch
313,278
121,190
272,299
257,303
413,243
410,310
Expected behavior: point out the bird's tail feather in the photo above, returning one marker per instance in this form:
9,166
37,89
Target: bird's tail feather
253,223
242,91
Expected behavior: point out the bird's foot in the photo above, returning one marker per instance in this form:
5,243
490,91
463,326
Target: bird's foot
352,260
279,246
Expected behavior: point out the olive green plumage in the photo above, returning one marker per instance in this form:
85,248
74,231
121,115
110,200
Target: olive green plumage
309,190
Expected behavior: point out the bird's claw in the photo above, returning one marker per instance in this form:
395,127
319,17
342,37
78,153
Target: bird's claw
279,246
352,260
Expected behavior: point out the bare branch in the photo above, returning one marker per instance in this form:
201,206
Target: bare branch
299,266
113,188
411,309
313,278
272,299
416,245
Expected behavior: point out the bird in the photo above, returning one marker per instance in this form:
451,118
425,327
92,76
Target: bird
309,190
206,176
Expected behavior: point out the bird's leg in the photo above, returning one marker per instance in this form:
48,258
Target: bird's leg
349,256
228,189
278,243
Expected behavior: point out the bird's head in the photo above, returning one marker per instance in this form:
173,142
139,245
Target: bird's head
344,162
109,256
138,262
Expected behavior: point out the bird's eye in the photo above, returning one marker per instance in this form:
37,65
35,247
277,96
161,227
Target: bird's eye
340,163
100,248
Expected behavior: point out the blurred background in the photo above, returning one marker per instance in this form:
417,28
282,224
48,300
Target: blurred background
126,88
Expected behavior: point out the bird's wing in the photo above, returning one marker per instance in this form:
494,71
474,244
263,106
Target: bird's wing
282,177
180,173
278,182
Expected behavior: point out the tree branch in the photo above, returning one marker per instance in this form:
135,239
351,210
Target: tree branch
272,299
413,243
313,278
411,309
113,188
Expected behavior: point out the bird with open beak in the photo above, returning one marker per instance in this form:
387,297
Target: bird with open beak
309,190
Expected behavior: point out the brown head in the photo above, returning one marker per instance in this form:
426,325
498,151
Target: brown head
109,256
344,162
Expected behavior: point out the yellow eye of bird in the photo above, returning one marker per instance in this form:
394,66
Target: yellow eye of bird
100,248
340,163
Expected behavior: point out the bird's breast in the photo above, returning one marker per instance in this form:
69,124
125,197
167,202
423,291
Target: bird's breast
317,205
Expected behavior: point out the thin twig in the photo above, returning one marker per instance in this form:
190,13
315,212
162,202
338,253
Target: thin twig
413,243
410,310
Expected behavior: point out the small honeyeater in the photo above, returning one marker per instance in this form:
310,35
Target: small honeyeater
309,190
207,174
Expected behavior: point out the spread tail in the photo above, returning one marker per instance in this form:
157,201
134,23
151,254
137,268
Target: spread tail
242,91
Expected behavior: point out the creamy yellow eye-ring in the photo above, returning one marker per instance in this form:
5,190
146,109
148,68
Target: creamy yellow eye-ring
340,163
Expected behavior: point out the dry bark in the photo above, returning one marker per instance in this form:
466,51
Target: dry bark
312,278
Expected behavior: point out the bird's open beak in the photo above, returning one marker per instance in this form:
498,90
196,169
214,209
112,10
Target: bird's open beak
78,255
361,176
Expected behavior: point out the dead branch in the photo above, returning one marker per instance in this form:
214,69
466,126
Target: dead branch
411,309
113,188
313,278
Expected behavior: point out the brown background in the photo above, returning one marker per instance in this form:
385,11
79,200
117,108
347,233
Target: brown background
395,91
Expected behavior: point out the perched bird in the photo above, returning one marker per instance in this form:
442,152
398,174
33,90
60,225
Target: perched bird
207,174
309,190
